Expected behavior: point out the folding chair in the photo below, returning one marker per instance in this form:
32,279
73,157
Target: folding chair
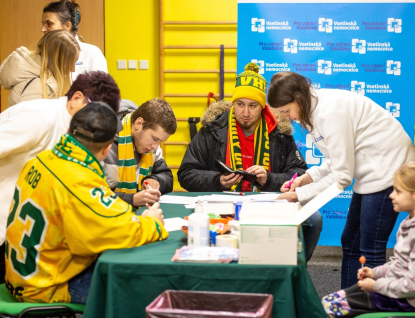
387,315
10,307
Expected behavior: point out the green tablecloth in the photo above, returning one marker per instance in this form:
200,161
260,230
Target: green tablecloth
126,281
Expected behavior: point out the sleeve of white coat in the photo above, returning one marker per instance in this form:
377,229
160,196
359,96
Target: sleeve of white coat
340,144
98,62
318,172
20,131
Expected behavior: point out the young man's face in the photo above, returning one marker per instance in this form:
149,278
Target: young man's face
146,140
247,113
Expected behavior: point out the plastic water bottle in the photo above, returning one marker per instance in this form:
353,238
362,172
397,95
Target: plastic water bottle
198,228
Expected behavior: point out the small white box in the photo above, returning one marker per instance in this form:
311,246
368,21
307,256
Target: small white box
269,230
143,64
121,64
132,64
223,208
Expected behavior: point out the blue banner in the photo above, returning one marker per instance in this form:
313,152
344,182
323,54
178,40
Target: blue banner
362,47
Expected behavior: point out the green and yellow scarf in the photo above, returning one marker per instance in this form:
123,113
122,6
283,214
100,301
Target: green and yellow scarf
70,149
261,146
127,181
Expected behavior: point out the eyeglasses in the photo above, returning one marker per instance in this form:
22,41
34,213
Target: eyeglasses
87,98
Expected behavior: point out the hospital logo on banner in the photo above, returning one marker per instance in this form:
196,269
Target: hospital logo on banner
324,67
395,25
393,67
328,25
258,25
313,156
361,46
358,46
358,87
290,46
329,67
325,25
293,46
394,109
361,88
271,67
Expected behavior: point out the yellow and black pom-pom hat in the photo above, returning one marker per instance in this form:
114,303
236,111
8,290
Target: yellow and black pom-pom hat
251,85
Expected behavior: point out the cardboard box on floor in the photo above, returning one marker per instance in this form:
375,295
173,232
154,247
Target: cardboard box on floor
269,230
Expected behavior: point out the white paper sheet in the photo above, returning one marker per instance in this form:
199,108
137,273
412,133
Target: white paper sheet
174,224
240,198
177,199
266,197
223,198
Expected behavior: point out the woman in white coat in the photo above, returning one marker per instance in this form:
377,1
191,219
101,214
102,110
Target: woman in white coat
361,141
65,14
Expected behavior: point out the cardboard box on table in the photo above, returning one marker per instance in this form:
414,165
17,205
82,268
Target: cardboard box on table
269,230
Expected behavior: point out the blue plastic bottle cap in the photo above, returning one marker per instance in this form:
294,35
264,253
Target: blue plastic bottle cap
238,206
213,237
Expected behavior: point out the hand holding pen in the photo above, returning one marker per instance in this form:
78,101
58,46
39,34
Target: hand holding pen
148,185
291,181
290,186
154,211
151,184
149,194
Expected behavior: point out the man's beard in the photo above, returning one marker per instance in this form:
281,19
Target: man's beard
136,138
246,126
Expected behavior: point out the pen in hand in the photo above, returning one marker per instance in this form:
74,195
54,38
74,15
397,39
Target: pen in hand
291,181
148,185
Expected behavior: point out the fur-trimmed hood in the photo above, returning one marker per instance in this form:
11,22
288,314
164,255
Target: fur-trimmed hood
219,107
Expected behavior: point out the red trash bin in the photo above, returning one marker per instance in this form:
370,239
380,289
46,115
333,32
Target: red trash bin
182,303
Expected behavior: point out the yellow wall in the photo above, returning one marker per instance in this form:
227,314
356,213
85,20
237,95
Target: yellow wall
132,32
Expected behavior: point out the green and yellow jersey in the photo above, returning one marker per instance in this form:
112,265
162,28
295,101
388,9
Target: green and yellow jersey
62,216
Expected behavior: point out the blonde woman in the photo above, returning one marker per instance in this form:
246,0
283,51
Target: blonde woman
44,73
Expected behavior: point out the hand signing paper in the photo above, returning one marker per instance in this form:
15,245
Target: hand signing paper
154,211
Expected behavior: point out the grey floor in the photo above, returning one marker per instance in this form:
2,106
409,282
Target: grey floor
324,268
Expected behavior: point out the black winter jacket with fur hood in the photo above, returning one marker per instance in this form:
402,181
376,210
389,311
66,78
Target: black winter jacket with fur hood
198,172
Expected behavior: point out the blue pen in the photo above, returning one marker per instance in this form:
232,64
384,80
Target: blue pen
291,181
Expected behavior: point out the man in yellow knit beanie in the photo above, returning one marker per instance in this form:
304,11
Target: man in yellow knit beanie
245,136
250,84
